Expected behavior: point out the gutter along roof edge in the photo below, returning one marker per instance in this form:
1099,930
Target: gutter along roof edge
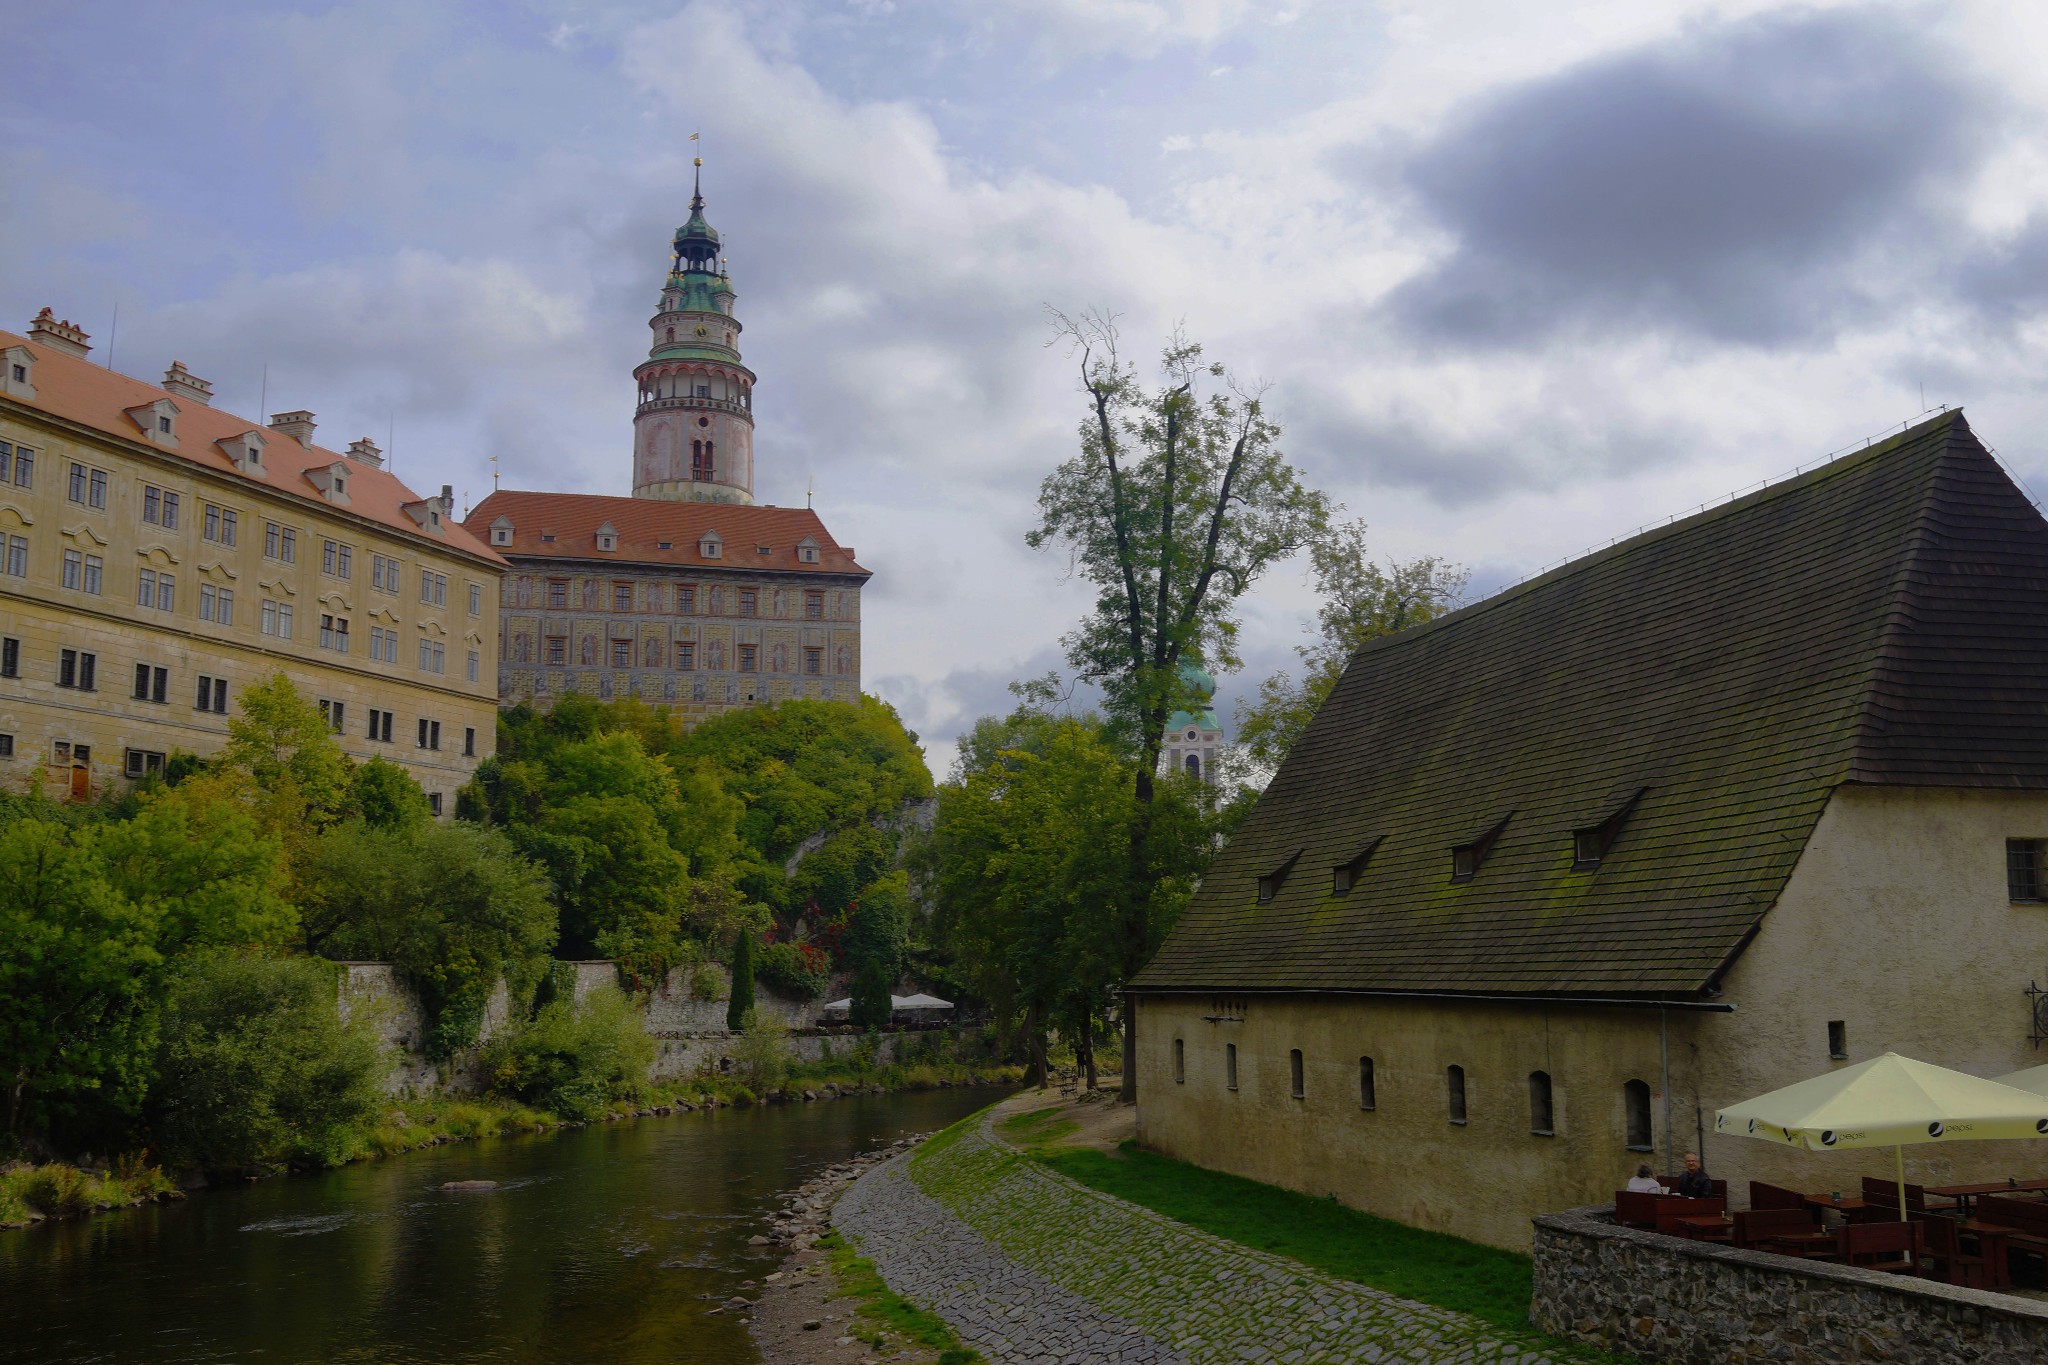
1464,997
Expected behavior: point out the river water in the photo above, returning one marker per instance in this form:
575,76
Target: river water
606,1243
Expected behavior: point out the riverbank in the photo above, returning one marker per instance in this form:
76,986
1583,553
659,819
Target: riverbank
37,1193
1026,1263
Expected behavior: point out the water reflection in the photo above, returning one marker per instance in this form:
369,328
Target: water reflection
612,1240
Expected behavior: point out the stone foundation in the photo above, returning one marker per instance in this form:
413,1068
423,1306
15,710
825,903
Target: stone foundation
1666,1299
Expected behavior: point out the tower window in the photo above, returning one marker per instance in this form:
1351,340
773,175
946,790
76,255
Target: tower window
1230,1066
1635,1105
1180,1062
1368,1088
1294,1073
1454,1083
1540,1107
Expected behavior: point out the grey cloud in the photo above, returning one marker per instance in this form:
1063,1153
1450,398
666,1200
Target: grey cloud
1724,184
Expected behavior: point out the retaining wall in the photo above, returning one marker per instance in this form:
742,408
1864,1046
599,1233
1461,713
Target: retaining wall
1667,1299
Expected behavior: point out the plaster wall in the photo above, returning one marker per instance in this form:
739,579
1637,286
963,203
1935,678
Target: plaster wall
1405,1159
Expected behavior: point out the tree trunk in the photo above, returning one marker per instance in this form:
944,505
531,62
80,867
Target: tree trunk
1034,1038
1135,910
1088,1046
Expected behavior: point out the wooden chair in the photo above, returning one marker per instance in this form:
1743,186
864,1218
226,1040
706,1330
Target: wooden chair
1946,1259
1788,1232
2028,1219
1895,1248
1884,1194
1633,1210
1674,1209
1762,1196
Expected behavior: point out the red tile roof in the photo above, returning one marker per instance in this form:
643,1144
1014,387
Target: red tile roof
75,389
645,524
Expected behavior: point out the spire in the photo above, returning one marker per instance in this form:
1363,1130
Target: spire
697,240
697,185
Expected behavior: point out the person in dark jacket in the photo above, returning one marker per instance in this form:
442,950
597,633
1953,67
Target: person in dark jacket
1694,1183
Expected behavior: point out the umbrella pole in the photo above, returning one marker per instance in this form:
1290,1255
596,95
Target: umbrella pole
1899,1156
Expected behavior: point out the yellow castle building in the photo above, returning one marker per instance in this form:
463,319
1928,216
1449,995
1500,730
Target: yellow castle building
157,555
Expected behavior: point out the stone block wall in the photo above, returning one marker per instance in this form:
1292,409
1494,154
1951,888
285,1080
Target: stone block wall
393,1008
1662,1298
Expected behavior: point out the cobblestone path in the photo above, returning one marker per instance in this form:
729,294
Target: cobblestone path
1031,1268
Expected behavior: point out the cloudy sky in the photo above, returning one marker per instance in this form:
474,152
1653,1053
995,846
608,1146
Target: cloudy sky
1521,277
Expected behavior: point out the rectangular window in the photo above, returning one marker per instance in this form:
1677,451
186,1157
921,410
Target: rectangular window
622,654
2023,869
558,593
335,713
216,604
749,602
96,493
6,746
1838,1040
151,682
1230,1066
212,695
337,559
7,452
277,619
622,597
748,654
429,733
153,505
380,725
24,467
1294,1073
10,657
686,655
476,599
1454,1085
218,524
433,589
469,741
94,567
558,650
1180,1062
74,569
434,804
334,633
1541,1108
280,543
814,660
686,599
380,566
1368,1085
433,657
475,665
814,606
17,556
77,669
142,762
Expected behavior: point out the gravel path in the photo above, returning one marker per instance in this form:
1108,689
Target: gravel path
1031,1268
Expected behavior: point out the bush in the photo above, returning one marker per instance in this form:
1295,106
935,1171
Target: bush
761,1057
739,1007
795,969
705,983
573,1059
255,1066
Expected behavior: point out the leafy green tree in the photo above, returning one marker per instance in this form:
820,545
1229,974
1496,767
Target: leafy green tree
1176,503
384,796
78,967
573,1057
255,1067
1360,602
875,945
739,1006
453,907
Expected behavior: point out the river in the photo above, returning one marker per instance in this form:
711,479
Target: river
606,1243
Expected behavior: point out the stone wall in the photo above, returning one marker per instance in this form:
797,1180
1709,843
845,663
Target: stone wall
1665,1299
373,988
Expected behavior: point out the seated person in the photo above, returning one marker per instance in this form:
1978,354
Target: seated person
1693,1182
1642,1182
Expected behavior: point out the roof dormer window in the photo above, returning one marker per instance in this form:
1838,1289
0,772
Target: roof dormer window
17,368
607,537
1345,875
1467,857
157,421
163,424
501,531
807,551
711,547
1591,841
1270,884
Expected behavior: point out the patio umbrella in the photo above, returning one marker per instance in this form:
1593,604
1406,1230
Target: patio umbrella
1888,1101
2034,1079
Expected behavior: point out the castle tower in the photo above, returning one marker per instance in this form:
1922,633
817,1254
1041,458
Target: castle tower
1193,737
693,434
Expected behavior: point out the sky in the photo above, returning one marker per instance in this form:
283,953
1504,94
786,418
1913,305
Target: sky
1519,278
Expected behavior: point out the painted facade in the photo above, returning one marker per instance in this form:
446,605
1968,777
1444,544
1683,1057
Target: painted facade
158,555
686,594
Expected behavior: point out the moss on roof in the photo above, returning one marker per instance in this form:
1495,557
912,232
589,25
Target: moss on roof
1881,619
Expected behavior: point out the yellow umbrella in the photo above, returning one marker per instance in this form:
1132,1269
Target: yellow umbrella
1888,1101
2034,1079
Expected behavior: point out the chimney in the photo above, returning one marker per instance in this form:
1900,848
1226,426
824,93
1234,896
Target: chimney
297,425
362,452
182,383
59,336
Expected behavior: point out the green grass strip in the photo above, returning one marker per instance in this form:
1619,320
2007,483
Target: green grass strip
860,1281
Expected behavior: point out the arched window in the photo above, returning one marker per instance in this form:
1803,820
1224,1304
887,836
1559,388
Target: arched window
671,334
1454,1082
1180,1062
1539,1103
1635,1103
1294,1073
1368,1091
1194,765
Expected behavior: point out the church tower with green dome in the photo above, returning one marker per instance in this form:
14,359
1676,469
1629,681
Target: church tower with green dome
1194,737
693,435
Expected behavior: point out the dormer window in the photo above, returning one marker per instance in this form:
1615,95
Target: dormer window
1270,884
711,547
501,531
157,421
807,551
163,424
1345,875
1591,841
17,368
1467,857
607,537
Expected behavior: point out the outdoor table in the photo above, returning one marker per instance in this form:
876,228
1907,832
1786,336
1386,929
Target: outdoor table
1706,1227
1822,1201
1966,1195
1991,1242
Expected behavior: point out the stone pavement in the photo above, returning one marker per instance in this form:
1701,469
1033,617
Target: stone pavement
1031,1268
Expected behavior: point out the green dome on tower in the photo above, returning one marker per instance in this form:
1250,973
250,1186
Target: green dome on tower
1198,680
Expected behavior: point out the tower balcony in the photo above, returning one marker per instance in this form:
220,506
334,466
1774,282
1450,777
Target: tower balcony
734,406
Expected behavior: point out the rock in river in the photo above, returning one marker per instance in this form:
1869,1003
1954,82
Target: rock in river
470,1186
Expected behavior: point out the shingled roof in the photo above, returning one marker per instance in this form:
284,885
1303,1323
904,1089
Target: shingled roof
657,531
1882,619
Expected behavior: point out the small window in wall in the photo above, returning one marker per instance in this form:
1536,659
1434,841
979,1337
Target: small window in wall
1466,857
434,804
142,762
1540,1110
1270,884
1368,1089
1635,1104
1294,1075
1345,875
1230,1066
1838,1040
1454,1083
2023,869
1180,1062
